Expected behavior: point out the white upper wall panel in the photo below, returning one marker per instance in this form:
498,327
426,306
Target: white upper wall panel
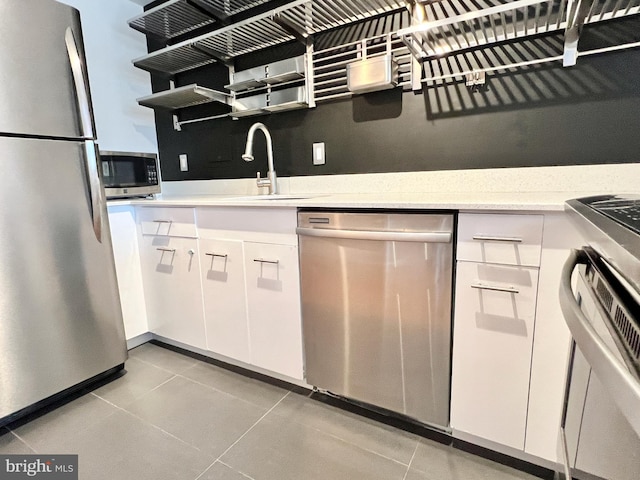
110,45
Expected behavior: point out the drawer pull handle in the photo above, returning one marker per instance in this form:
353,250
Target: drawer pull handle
495,288
262,260
216,255
489,238
170,250
163,221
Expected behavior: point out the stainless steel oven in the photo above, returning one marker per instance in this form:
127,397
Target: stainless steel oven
600,299
127,174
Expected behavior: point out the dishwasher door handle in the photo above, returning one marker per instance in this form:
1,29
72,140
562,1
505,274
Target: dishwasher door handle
422,237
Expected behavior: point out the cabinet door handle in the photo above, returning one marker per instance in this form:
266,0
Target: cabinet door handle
171,250
495,288
490,238
216,255
262,260
163,221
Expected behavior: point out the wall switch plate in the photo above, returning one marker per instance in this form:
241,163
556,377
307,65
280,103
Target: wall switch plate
184,165
318,154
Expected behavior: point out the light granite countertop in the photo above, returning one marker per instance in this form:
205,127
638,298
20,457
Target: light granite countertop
471,201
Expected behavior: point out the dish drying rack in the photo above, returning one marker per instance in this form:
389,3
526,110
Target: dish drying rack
438,30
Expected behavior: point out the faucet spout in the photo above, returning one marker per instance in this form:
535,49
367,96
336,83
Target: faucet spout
271,180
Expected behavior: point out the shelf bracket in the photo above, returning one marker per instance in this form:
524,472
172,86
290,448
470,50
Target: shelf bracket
220,57
416,74
220,17
290,28
176,123
475,79
577,11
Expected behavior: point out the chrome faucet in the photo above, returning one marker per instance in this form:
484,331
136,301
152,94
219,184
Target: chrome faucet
271,181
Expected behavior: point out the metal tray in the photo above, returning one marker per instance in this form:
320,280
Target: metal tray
182,97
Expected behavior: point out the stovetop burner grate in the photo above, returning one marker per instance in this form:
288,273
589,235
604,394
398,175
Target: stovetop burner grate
624,210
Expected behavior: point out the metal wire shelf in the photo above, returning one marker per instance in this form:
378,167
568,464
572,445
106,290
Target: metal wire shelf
455,25
179,17
296,20
183,97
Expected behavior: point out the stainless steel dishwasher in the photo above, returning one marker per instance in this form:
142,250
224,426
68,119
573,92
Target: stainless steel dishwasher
376,308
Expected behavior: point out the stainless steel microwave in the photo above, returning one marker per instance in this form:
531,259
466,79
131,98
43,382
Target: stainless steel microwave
128,174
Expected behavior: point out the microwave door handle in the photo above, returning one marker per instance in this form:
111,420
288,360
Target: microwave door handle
96,192
80,82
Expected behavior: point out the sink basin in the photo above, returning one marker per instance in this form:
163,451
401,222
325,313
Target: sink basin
270,198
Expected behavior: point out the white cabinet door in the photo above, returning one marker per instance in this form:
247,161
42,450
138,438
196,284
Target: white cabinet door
273,300
124,236
493,338
225,308
173,294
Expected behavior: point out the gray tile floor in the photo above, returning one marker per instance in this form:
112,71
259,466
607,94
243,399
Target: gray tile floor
174,417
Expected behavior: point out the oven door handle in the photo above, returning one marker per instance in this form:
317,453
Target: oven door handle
624,388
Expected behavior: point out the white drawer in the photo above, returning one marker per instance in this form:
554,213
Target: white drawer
167,221
500,238
252,224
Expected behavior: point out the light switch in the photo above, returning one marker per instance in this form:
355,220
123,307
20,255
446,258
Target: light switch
184,165
318,154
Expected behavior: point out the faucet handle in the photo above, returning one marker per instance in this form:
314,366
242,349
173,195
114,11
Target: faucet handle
262,182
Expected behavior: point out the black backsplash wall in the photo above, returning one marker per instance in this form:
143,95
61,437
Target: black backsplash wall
547,115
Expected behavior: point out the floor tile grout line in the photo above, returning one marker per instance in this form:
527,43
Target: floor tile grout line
243,435
415,450
81,429
229,466
141,396
122,409
162,368
351,443
23,441
252,426
222,391
226,465
332,435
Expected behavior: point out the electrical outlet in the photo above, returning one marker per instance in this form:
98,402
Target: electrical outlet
184,164
318,154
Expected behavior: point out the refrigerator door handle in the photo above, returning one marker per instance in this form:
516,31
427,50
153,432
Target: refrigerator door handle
96,193
79,80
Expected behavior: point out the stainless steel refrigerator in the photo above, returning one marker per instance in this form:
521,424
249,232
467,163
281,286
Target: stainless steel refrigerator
60,317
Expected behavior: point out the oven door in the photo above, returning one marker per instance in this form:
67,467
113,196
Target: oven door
600,429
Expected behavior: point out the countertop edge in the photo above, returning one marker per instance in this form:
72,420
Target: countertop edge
509,203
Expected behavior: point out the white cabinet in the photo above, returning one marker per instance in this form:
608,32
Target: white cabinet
171,276
493,339
494,324
127,260
551,342
223,288
510,349
251,286
273,299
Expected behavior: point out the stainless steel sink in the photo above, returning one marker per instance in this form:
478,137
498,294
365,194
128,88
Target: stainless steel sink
269,198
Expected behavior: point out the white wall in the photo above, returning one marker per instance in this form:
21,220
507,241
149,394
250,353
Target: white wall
110,46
